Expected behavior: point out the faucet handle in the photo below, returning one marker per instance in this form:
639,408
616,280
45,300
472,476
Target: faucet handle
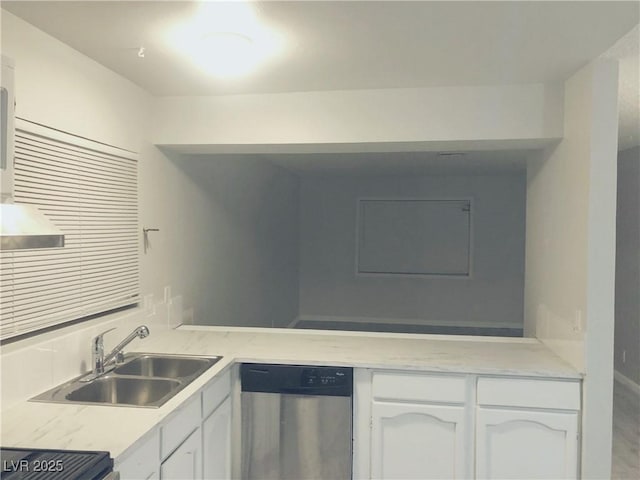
100,335
97,344
97,352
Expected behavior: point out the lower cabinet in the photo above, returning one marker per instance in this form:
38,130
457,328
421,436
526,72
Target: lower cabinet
525,444
192,443
410,441
413,425
185,463
216,443
144,462
527,428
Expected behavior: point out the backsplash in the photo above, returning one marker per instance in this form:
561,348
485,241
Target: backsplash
39,363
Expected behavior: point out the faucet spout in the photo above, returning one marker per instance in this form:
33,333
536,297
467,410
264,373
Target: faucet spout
98,358
140,332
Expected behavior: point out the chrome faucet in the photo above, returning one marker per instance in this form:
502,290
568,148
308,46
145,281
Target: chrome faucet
98,359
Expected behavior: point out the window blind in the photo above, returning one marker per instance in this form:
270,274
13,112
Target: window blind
89,191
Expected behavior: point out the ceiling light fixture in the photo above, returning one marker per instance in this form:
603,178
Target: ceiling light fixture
225,39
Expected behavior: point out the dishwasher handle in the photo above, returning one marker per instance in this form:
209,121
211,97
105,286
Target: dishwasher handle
317,391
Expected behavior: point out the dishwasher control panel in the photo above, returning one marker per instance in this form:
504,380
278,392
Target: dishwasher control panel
312,377
297,379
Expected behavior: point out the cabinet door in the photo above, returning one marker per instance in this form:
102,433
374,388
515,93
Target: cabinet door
143,463
521,444
185,463
216,443
418,441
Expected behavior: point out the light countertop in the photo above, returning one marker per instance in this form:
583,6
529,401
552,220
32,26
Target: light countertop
114,429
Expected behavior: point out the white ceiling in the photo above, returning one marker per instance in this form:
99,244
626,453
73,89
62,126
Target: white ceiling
350,45
363,44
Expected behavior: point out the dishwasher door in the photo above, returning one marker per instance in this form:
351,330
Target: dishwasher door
291,435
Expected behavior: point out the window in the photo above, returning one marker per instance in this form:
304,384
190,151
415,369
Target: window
414,237
89,191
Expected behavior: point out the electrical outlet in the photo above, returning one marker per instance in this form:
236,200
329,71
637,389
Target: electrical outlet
577,322
147,302
187,316
167,294
624,356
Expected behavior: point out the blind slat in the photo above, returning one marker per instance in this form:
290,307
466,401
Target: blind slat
63,297
119,291
89,191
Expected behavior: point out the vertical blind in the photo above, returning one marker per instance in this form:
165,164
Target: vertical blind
89,191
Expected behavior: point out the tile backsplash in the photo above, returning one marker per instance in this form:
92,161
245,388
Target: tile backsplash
32,366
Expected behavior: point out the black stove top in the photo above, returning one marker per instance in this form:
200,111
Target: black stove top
38,464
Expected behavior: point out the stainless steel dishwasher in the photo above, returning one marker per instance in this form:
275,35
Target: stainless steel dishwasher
296,422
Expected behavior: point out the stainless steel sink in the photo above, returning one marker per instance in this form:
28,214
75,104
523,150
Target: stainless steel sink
142,380
165,366
124,390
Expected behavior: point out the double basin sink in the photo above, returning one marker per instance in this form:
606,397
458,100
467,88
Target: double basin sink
142,380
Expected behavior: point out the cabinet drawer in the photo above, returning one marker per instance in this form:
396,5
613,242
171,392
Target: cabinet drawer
143,461
179,426
419,387
214,393
185,463
534,393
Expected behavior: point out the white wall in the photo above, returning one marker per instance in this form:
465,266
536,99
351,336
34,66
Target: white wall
570,249
33,366
59,87
444,114
627,332
329,286
56,85
236,245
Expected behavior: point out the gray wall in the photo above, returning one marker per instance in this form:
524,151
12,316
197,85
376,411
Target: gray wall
329,287
238,245
627,332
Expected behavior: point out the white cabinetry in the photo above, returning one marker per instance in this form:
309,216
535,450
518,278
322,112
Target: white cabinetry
419,425
144,462
179,426
527,429
216,442
194,442
181,446
417,441
186,462
216,429
513,444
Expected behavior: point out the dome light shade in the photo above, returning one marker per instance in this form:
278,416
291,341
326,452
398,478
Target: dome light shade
225,39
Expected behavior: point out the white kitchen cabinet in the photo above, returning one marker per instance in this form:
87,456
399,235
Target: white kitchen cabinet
411,425
410,441
193,442
216,443
186,462
144,462
426,425
526,444
527,428
179,426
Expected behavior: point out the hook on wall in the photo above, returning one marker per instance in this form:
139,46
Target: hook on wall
145,237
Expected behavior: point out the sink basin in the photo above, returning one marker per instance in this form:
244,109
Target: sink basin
126,391
165,366
143,380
